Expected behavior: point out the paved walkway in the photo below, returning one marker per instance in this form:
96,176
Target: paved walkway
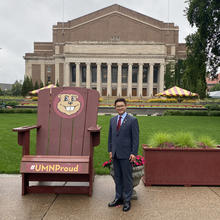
154,203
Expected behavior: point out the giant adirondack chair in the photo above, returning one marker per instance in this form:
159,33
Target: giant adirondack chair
65,138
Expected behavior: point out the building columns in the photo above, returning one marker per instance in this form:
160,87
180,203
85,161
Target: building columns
161,77
99,84
99,87
88,76
66,80
77,74
57,67
43,73
129,93
140,79
150,80
119,79
109,80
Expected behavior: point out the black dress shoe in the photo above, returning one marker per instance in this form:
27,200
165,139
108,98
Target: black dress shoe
127,206
116,202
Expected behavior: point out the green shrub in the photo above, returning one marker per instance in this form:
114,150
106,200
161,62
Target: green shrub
161,139
11,103
180,140
184,139
18,110
11,97
173,112
214,113
212,107
206,142
186,113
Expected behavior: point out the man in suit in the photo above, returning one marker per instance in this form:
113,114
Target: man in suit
123,142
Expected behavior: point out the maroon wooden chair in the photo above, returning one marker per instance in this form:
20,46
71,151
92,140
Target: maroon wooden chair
66,135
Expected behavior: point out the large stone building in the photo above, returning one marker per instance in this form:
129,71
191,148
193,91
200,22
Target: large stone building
115,50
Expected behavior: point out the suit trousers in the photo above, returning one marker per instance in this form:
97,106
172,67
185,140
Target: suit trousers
123,178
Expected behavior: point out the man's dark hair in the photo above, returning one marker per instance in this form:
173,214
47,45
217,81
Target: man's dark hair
120,100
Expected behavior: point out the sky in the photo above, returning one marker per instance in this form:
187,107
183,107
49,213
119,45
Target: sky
23,22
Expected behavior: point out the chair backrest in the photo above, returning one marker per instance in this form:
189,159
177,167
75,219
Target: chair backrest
65,114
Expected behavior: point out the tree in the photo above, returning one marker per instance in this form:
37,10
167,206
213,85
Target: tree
215,88
41,84
27,86
174,74
57,84
169,77
16,88
179,72
194,78
1,92
36,85
205,15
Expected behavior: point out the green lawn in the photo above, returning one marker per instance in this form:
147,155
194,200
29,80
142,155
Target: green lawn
11,151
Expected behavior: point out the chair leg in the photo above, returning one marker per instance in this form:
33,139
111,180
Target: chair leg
25,184
91,179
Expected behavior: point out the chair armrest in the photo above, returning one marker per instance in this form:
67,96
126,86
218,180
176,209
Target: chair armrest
94,129
95,133
24,137
25,128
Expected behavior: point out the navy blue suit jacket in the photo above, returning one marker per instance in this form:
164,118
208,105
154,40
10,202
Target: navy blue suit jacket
124,142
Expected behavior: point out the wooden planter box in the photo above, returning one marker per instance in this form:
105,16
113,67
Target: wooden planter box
181,166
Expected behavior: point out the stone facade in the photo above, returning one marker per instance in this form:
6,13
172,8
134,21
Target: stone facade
115,50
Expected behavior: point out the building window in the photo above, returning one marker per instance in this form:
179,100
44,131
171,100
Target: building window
73,73
83,73
114,91
134,73
104,91
104,73
49,69
144,92
134,91
125,73
145,73
48,79
114,73
156,70
94,73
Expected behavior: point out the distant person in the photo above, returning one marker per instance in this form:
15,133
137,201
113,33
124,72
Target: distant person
123,142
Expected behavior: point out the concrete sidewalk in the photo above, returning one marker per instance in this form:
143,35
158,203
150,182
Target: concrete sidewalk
154,203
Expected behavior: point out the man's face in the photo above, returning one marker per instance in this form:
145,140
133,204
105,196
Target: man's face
120,107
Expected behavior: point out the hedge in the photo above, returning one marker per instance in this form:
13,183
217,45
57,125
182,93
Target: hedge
17,110
186,113
213,107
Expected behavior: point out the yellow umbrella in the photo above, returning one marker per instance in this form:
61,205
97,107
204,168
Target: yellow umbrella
176,91
36,91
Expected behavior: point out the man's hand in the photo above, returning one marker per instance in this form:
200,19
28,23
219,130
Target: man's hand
132,157
110,155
